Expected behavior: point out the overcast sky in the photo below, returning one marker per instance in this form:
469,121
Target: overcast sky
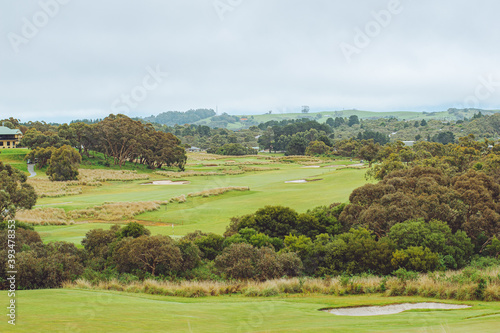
67,59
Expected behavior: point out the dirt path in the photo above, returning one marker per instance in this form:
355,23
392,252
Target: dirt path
31,170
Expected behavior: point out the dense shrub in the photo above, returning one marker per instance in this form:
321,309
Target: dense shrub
156,255
456,249
416,258
243,261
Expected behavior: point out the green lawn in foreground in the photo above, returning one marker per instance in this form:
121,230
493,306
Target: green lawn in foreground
67,310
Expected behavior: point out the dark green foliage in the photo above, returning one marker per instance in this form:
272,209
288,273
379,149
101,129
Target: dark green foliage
320,220
358,251
48,266
156,255
436,236
252,237
235,149
274,221
481,287
15,193
297,146
97,242
444,138
63,164
211,245
134,229
353,120
191,255
377,137
172,118
243,261
416,258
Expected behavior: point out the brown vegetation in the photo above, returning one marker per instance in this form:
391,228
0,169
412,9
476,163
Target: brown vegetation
461,285
218,191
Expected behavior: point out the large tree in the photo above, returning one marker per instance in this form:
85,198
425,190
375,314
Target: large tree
15,193
63,164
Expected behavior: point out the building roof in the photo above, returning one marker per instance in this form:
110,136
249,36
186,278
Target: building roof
7,131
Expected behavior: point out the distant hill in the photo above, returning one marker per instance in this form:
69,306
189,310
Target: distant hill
171,118
233,122
249,120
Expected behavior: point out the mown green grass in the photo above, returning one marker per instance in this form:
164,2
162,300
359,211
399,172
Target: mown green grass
211,214
15,157
68,310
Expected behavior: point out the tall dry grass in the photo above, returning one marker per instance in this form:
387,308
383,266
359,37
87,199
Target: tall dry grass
460,285
43,216
223,172
218,191
86,177
46,188
249,169
116,211
172,174
89,176
232,163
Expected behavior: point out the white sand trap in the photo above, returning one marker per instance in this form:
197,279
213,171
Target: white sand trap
392,309
167,182
296,181
312,166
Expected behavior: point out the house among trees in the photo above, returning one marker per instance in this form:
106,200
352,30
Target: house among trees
9,138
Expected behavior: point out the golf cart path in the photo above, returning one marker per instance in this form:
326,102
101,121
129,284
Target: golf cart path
31,170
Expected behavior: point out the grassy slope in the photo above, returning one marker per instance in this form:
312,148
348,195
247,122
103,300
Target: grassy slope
69,310
14,157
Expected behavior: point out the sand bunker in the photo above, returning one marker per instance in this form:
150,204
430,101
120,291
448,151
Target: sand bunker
299,181
167,182
312,166
392,309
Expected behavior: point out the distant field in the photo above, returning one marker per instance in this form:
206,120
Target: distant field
333,183
67,310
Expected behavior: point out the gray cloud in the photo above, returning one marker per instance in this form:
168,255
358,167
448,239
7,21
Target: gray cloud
263,55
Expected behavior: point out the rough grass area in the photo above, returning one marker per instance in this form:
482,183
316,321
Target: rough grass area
114,211
464,285
100,175
43,216
87,177
222,172
218,191
46,188
73,310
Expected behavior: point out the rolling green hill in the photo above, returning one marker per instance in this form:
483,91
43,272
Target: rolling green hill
449,115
